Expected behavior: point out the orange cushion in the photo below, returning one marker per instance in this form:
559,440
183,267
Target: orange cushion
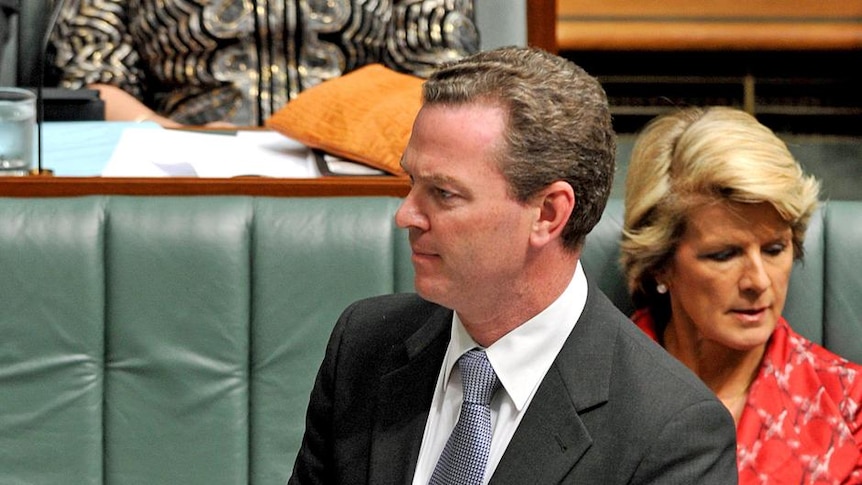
364,116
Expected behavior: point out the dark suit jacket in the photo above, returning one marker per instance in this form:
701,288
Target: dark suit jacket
614,407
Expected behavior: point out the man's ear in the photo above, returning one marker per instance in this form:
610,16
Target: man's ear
556,203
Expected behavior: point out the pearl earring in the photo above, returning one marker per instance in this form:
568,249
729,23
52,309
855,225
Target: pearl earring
661,288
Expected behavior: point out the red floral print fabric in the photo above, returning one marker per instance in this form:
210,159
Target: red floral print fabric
802,422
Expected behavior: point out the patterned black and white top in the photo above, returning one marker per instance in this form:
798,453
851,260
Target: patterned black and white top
241,60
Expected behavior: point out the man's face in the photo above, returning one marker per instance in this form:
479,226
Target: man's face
469,236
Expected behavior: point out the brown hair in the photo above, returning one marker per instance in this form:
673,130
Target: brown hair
559,124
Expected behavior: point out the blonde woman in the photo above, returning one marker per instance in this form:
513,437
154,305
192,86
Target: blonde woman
716,210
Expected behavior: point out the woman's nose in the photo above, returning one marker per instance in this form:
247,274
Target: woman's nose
755,277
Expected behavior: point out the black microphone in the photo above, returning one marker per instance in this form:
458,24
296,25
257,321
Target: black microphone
40,82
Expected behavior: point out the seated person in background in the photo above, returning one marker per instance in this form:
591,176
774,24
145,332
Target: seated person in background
238,61
511,161
716,210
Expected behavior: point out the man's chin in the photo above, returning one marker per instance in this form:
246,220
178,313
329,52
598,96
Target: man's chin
430,291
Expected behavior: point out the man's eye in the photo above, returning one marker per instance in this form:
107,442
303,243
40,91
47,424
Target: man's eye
443,193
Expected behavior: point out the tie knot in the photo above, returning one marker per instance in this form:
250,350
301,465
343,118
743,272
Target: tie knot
480,380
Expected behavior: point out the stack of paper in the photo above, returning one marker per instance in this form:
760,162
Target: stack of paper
183,153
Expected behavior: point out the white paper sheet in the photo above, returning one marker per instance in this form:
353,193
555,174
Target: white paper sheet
181,153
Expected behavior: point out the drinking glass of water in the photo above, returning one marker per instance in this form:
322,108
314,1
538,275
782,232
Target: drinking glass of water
17,130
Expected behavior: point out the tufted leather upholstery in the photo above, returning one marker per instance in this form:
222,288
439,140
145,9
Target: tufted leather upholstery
174,340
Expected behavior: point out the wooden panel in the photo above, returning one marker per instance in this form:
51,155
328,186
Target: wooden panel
709,25
542,25
638,35
721,9
47,186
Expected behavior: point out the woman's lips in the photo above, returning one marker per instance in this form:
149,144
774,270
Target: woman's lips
751,315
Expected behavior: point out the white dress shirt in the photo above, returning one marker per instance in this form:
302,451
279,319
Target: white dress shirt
521,359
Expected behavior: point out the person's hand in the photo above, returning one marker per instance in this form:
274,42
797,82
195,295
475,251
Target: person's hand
122,106
220,124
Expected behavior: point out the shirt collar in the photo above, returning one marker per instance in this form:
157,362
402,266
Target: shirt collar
522,357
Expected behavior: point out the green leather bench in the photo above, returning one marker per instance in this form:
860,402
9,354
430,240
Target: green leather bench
174,340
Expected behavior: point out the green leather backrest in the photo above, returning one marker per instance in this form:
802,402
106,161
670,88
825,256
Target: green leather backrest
52,333
175,340
842,331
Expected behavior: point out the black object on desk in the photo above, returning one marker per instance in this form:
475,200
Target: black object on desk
72,105
322,160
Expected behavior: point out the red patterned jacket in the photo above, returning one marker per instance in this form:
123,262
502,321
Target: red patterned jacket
802,422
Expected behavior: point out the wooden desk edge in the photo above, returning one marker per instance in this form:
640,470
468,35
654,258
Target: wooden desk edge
681,35
48,186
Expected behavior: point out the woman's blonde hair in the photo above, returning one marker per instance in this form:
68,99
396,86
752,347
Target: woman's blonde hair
695,156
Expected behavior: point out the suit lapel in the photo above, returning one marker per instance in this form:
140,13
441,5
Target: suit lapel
549,440
405,399
552,436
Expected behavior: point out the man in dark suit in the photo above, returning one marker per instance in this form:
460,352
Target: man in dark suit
511,161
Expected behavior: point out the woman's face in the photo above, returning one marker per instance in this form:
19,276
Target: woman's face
728,277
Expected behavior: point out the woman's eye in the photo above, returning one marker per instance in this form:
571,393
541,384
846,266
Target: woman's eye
775,249
721,256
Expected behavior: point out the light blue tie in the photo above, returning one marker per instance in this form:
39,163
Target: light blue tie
465,456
